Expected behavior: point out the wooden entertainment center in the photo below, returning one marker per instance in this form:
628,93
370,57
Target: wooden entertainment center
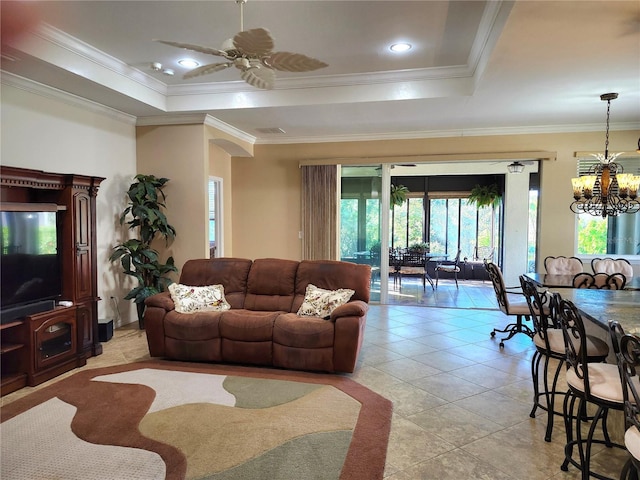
40,346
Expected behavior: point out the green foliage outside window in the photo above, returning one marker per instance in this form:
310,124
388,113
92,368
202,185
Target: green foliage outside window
592,235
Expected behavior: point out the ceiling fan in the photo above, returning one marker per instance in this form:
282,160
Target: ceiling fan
252,53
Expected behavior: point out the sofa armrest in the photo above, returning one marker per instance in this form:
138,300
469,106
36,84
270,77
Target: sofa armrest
156,309
356,308
160,300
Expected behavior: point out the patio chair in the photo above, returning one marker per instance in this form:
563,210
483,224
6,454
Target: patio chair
449,266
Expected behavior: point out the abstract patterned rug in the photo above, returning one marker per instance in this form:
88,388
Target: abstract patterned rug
173,420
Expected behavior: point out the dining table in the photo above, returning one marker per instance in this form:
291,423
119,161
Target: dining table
602,306
566,281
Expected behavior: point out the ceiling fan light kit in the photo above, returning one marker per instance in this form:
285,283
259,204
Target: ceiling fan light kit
515,167
606,190
252,53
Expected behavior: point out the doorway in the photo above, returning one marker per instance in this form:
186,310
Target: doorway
216,247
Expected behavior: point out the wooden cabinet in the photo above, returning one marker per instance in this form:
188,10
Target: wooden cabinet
75,196
13,356
53,344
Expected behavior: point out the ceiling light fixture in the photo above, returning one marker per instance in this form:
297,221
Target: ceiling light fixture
156,66
400,47
168,71
515,167
188,63
606,190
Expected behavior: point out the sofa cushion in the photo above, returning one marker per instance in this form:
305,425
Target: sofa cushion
230,272
270,285
194,326
192,299
319,302
303,332
332,275
247,325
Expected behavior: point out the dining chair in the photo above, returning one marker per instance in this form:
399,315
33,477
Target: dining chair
549,342
449,266
563,265
628,358
596,383
610,265
601,281
511,302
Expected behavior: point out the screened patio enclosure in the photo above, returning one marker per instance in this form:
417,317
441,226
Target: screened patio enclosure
436,215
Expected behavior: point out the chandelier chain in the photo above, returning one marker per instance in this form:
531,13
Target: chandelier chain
606,142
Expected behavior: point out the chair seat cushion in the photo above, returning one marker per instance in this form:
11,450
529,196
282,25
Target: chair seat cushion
604,382
596,348
632,441
449,268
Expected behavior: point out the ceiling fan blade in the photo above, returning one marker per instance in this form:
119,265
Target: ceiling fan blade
195,48
256,42
259,77
293,62
207,69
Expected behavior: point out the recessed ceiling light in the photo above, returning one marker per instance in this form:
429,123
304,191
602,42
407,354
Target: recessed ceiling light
188,63
400,47
168,71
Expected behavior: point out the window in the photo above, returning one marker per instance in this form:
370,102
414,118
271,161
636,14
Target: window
215,223
407,227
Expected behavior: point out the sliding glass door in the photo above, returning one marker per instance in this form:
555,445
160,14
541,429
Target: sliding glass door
361,219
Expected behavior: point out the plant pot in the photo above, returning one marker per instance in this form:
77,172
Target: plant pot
140,307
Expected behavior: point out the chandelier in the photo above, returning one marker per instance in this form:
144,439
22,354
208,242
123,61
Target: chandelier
606,190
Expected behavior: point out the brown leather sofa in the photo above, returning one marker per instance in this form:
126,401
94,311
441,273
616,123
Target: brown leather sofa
262,327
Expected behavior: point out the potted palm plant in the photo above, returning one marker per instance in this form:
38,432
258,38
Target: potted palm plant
144,216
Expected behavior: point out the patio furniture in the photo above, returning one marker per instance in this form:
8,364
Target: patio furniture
449,266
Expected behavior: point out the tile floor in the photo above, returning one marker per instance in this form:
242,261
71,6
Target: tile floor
461,405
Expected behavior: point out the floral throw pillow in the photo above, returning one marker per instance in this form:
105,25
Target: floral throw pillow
319,302
188,299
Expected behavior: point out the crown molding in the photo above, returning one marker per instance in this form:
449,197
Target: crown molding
472,132
196,119
88,52
46,91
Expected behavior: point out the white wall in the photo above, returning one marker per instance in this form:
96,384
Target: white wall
43,130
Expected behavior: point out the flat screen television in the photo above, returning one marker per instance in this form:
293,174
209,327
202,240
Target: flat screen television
30,263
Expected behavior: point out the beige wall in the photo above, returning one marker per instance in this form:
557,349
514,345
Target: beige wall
261,192
45,133
178,153
266,188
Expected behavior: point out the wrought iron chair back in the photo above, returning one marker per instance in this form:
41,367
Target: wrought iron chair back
602,281
543,309
575,340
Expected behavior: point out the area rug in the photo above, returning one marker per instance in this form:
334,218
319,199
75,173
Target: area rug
174,420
